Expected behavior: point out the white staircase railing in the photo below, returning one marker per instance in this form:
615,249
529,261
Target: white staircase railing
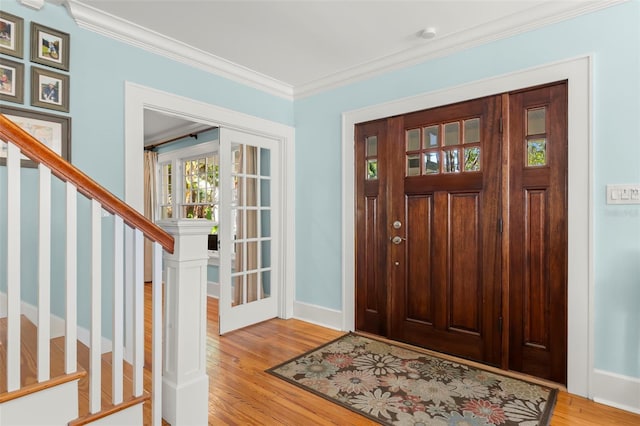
128,225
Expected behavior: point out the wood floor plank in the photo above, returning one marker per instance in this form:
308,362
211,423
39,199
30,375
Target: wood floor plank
242,393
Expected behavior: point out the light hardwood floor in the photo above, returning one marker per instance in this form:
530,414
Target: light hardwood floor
241,393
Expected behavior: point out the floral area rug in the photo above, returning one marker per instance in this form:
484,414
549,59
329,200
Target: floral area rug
394,385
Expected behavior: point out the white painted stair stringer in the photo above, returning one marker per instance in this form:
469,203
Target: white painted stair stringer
57,405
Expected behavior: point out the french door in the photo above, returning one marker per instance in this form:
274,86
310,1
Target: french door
437,193
249,229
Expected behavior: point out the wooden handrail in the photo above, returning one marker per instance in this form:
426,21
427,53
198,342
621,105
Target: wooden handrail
40,153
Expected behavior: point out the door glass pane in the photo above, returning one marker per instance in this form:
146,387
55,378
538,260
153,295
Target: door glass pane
237,290
266,284
450,161
413,140
251,187
265,223
452,134
236,158
252,288
252,223
537,152
413,165
372,146
472,130
265,162
265,192
430,136
472,159
431,165
266,254
372,169
536,121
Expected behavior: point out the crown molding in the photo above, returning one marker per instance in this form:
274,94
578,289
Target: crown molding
105,24
116,28
536,17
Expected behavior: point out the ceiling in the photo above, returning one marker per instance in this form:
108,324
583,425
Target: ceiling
302,42
308,46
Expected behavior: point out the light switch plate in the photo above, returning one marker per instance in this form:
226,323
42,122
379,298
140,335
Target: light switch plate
623,194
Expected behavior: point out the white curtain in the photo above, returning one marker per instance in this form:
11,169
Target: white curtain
150,165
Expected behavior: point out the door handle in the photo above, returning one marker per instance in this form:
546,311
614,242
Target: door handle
397,239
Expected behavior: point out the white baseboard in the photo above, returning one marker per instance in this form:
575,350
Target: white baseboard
330,318
57,323
213,289
616,390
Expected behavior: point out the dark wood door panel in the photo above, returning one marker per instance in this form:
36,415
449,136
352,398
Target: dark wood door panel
465,296
420,293
538,232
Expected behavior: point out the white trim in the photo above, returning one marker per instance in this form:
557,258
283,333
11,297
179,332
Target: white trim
138,98
330,318
116,28
213,289
616,390
57,324
580,285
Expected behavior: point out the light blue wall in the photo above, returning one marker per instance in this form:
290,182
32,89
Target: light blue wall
99,67
613,36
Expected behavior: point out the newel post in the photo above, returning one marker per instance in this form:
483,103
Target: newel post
185,384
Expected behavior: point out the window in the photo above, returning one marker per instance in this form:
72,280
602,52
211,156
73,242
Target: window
188,183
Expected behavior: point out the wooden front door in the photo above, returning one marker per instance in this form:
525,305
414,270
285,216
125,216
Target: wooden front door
432,257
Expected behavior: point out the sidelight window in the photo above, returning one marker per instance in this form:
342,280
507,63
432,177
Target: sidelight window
371,157
536,137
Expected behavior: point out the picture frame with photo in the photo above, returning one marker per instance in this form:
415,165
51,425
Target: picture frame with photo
49,89
52,130
11,81
49,47
11,35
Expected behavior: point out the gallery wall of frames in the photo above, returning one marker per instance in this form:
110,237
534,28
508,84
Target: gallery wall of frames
48,76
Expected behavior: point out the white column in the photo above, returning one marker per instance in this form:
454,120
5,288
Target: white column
185,384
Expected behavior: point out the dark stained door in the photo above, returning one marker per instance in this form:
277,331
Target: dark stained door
434,267
446,193
538,232
440,179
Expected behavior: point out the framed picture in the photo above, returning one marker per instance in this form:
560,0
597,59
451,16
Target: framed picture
52,130
11,81
11,35
49,89
49,47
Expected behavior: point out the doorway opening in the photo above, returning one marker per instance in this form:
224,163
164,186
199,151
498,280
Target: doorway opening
139,99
